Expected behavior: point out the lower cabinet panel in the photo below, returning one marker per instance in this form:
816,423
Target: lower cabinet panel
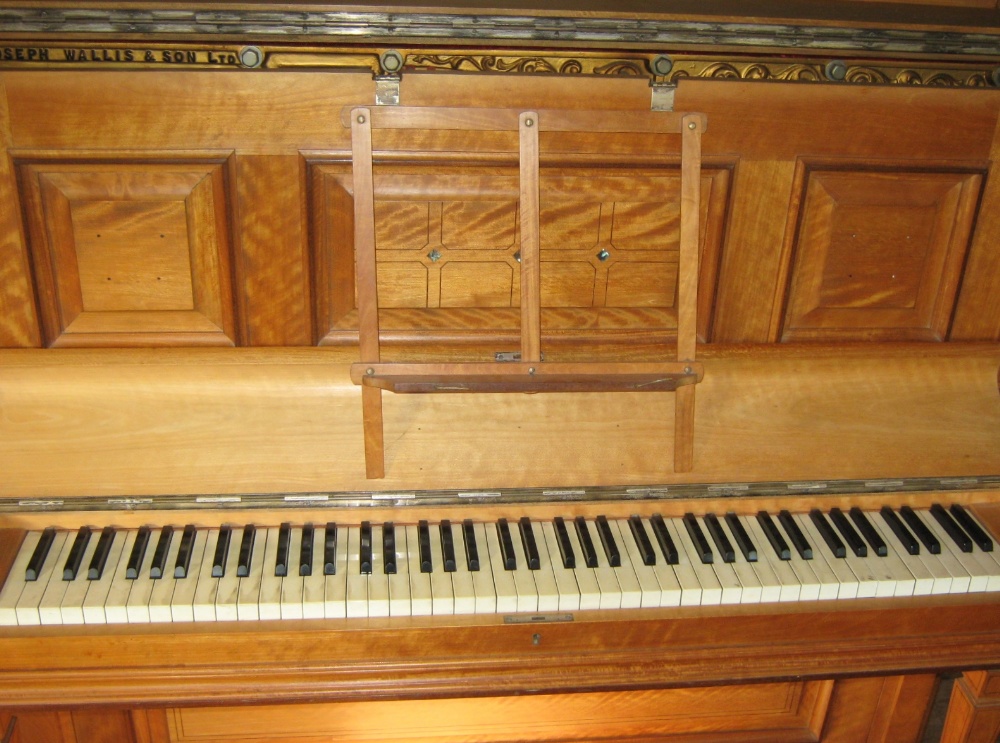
774,712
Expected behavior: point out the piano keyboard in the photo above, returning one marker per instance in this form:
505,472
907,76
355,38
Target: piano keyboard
377,570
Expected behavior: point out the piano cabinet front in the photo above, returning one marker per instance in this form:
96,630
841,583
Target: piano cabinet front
892,708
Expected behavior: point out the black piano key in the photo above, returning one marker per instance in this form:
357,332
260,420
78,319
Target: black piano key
565,546
506,545
663,538
642,540
365,556
698,539
794,533
586,543
920,530
471,548
100,557
306,551
906,539
529,544
972,527
221,552
826,531
284,541
854,541
869,532
778,543
951,527
722,542
743,540
183,562
75,558
246,551
608,541
37,561
139,552
330,537
448,547
389,548
424,543
159,564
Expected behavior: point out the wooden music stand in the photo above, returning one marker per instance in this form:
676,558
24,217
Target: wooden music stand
530,374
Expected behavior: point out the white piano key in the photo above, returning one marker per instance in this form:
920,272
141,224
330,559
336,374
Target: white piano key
847,584
545,579
314,584
991,560
421,600
357,582
378,581
182,602
248,593
442,591
11,590
586,578
228,595
666,578
978,574
825,565
137,606
628,582
291,604
28,609
399,583
207,589
607,581
49,608
335,586
732,589
769,567
687,578
482,579
770,585
114,609
753,589
503,580
462,581
524,579
269,602
71,608
809,584
163,588
650,593
565,579
711,589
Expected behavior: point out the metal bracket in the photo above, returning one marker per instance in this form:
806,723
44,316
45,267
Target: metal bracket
387,90
662,98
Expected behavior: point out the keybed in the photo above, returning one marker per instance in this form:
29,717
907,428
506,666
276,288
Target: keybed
511,565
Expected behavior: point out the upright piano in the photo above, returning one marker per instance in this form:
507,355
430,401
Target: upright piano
699,306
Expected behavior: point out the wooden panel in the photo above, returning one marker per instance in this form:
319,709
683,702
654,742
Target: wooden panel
251,112
878,253
18,322
250,420
102,726
448,249
130,254
977,316
32,727
974,709
273,256
772,713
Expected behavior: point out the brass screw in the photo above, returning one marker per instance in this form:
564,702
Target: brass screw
369,371
692,125
529,122
361,118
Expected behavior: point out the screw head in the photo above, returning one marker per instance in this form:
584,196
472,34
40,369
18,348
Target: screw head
361,118
529,122
603,255
370,372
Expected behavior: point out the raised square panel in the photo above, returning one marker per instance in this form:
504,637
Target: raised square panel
130,253
878,254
